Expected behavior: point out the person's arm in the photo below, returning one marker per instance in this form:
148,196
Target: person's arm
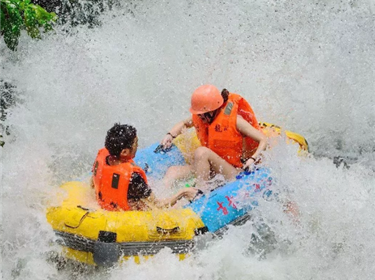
175,131
139,190
188,193
248,130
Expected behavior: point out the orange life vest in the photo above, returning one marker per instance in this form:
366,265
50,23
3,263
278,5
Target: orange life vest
222,136
112,182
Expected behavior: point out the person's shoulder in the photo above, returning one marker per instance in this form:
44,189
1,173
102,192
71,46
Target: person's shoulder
103,150
233,94
235,97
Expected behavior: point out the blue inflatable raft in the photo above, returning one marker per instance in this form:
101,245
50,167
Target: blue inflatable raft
225,205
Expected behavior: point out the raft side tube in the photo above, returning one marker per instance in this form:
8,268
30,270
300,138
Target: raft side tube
229,203
156,161
274,130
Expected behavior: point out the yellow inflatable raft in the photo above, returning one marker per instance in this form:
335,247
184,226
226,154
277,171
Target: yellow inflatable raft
102,237
94,236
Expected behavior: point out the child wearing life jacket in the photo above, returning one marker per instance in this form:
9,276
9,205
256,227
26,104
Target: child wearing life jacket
229,134
119,183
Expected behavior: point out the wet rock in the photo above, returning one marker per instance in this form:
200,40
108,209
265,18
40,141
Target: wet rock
7,99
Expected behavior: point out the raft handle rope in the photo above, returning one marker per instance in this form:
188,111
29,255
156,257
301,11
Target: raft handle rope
79,223
168,230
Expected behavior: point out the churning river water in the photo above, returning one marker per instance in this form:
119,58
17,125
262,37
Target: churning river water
307,66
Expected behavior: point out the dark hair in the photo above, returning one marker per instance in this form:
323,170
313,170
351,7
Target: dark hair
225,94
120,137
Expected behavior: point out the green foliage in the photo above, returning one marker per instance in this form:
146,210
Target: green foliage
17,15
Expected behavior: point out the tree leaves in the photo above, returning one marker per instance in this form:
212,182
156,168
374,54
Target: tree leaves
17,15
11,22
2,21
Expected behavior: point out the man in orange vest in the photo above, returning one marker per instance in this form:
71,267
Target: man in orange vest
119,183
228,132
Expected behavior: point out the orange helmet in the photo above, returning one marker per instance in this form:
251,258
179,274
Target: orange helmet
206,98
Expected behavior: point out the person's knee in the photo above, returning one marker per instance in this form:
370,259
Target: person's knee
172,171
171,175
201,153
177,172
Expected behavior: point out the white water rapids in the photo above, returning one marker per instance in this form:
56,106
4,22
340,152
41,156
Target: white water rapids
307,66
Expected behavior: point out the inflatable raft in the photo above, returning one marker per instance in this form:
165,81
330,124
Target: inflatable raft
99,237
